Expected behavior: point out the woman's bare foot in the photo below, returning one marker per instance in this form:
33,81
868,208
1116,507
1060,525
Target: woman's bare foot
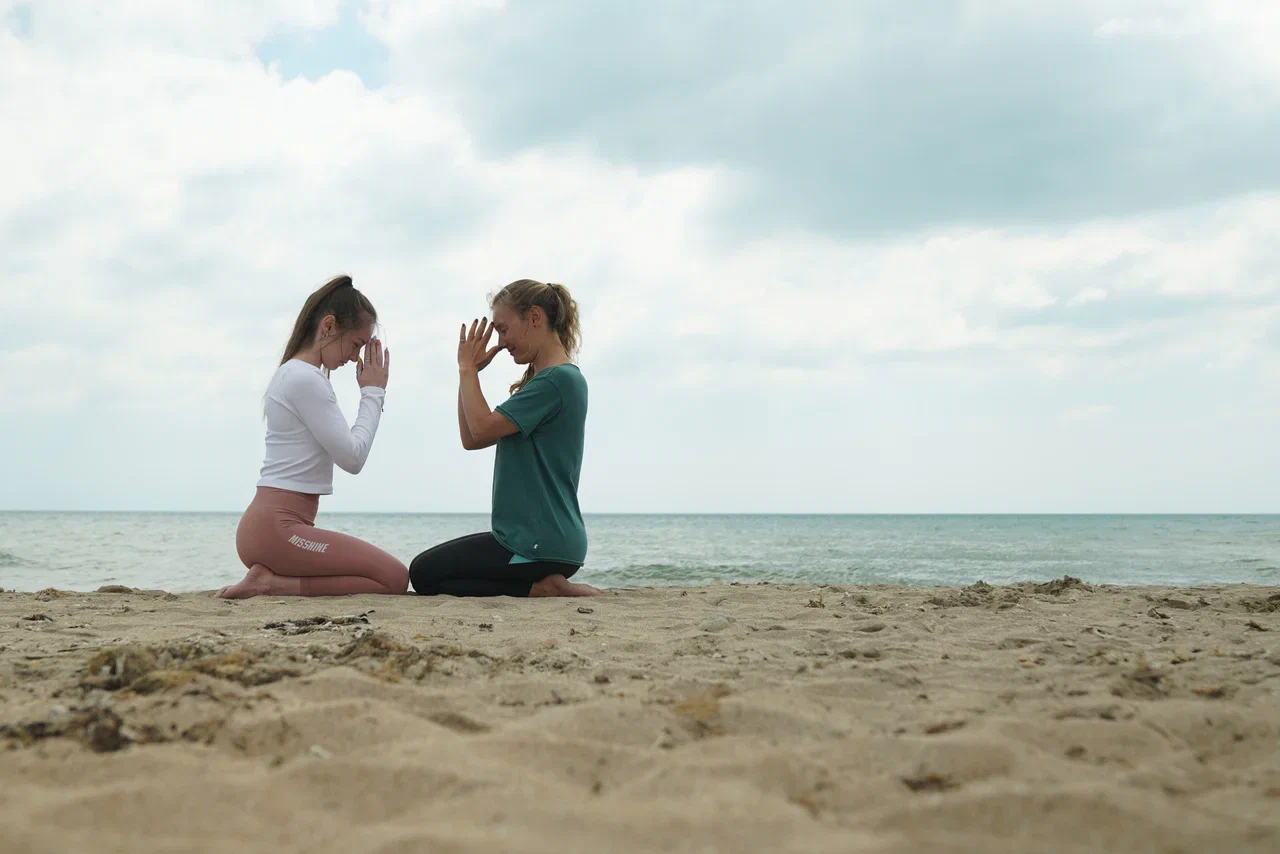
558,585
260,581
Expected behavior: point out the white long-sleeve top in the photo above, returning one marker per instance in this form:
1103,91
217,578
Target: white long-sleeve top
307,433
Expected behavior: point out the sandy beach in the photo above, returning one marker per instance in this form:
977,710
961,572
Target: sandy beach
1061,717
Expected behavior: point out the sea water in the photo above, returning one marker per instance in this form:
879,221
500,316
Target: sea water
196,551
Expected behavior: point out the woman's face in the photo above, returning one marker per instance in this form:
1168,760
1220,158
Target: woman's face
513,333
338,347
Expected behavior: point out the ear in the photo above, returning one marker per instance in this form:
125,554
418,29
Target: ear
536,316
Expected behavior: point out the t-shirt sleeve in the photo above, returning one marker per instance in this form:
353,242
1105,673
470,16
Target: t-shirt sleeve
532,405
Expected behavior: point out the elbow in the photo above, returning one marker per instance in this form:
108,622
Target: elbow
351,465
481,439
474,442
477,440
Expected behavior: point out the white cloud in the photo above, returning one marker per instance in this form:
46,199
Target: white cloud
1238,36
1088,295
231,28
1023,293
397,22
162,205
175,202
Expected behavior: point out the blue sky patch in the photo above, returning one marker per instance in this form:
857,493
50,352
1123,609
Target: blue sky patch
314,53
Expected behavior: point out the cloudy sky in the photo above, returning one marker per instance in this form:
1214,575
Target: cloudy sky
938,256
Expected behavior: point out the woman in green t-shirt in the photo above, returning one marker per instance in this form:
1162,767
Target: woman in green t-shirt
538,540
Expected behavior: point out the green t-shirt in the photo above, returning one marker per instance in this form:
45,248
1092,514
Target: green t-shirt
535,472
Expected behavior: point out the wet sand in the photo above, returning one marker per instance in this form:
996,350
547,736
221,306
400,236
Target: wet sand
1048,718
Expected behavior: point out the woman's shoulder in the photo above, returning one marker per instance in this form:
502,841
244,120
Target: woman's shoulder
568,379
296,376
563,376
568,372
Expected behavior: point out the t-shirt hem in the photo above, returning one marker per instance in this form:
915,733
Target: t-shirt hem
295,486
502,408
539,558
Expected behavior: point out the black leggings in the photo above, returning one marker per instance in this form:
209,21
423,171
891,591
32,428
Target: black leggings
477,565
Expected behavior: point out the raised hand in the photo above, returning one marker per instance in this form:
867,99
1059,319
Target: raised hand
474,352
375,367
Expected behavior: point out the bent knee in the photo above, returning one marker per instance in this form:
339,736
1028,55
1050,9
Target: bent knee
423,583
394,578
424,571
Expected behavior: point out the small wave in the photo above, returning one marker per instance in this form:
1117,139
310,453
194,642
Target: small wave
1250,560
7,559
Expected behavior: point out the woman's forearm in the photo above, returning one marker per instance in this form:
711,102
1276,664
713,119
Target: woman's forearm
468,441
485,425
475,409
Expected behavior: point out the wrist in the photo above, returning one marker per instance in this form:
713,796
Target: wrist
468,370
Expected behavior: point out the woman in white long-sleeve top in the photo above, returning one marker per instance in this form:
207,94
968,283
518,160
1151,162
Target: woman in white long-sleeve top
286,554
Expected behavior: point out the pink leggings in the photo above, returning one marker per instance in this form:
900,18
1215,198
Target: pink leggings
278,531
